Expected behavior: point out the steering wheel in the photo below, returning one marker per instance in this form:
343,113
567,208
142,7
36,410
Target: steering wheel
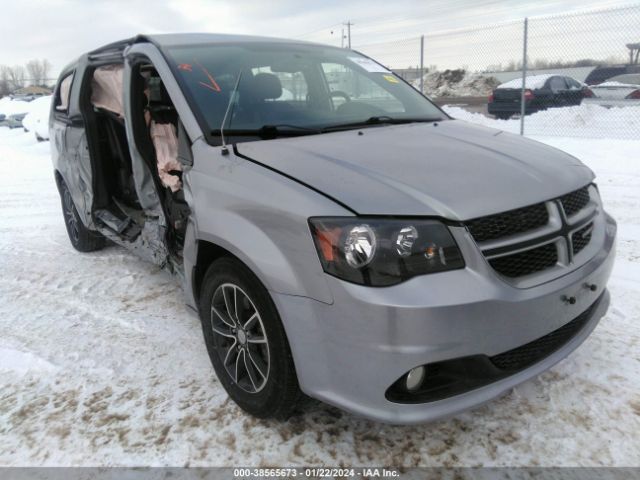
340,93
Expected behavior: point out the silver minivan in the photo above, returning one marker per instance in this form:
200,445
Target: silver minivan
338,234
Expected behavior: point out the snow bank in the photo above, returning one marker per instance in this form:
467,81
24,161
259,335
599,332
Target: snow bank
585,121
457,83
37,120
11,107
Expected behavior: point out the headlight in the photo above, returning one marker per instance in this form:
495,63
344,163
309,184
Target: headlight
381,251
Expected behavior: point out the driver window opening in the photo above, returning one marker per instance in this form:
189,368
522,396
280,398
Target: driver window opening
116,202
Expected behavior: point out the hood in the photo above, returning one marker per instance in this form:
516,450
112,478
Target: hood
451,169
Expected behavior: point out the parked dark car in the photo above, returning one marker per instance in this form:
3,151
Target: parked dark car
542,92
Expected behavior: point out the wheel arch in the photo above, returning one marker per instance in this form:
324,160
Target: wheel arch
207,253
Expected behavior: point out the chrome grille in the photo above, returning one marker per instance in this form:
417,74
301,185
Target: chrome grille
525,241
527,262
509,223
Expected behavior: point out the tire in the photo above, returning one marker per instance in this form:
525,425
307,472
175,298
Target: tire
82,239
270,389
503,116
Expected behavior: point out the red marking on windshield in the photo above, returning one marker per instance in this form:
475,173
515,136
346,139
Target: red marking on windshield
186,67
212,85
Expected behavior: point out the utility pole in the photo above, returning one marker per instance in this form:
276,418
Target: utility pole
422,64
524,74
348,24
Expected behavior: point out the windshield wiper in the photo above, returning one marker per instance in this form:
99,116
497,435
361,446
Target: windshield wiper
272,131
379,120
286,129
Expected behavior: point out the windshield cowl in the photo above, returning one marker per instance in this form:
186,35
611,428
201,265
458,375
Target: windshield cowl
267,132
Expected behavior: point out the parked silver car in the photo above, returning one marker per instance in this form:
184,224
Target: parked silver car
619,91
337,233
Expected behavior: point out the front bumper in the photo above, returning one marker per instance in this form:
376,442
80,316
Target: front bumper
350,352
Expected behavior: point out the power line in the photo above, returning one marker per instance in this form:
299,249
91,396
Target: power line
316,30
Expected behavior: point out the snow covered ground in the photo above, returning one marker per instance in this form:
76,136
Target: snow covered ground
100,363
588,121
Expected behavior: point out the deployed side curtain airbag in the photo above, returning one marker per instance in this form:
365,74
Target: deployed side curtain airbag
165,142
106,89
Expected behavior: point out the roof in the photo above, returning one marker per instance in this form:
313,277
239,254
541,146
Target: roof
178,39
532,82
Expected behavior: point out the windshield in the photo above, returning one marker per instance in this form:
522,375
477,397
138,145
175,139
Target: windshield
292,89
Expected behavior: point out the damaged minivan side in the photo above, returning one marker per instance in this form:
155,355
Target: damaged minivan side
337,233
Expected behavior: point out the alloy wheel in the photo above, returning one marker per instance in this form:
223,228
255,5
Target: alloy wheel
240,337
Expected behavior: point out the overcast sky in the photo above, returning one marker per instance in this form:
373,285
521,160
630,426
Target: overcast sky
60,30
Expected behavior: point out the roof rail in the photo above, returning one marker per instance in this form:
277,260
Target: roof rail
115,48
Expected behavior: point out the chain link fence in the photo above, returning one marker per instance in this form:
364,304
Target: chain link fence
568,75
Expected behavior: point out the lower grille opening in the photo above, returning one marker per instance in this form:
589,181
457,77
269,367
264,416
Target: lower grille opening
454,377
527,262
532,352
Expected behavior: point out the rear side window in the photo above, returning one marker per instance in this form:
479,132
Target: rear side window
63,92
557,83
574,84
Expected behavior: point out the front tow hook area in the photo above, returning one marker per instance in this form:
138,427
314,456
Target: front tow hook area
572,299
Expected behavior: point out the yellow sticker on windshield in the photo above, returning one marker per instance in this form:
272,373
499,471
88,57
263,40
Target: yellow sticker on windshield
391,78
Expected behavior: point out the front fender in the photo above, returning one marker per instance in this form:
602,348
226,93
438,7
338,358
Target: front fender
260,217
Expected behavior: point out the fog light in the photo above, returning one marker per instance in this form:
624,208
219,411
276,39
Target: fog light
414,378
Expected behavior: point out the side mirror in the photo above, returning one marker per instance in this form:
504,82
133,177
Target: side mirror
185,155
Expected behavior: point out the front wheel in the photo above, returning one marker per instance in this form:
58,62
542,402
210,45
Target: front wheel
246,341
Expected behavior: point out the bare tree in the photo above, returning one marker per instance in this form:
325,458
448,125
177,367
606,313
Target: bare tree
4,81
38,71
16,77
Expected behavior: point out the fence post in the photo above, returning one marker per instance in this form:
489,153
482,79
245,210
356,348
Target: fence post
524,74
422,64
